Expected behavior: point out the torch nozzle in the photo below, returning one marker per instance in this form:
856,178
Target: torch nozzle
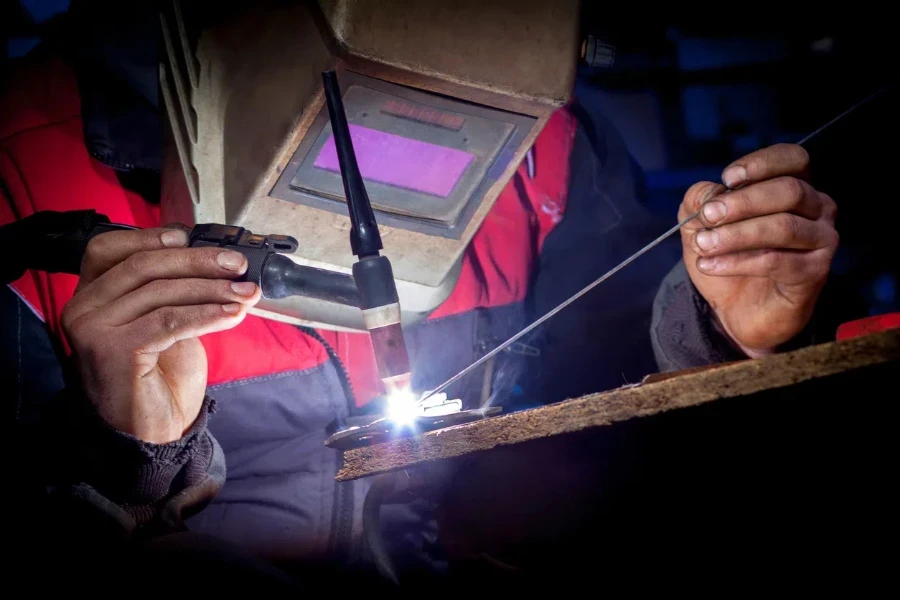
390,354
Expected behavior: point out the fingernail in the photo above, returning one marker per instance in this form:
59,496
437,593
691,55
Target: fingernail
714,211
231,308
706,264
232,261
174,238
707,240
734,176
244,288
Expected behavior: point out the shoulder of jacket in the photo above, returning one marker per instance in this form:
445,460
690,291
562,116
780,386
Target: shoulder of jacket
40,91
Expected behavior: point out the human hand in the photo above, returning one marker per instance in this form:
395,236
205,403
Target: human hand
761,249
141,303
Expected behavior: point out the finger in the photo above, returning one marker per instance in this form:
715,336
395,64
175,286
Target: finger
695,197
780,195
781,231
109,249
789,266
178,292
143,267
162,328
774,161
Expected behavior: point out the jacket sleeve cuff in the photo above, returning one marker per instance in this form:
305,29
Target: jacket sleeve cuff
113,469
134,472
683,330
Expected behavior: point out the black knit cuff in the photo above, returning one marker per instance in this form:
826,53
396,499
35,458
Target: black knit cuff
683,331
126,470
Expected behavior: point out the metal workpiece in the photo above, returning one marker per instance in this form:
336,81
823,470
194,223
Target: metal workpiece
751,379
385,429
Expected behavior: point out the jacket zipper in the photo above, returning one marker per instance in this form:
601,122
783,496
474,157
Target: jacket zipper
343,376
342,519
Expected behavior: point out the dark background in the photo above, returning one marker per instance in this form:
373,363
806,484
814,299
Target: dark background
693,96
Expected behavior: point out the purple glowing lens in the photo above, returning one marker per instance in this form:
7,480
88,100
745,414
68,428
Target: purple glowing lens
395,160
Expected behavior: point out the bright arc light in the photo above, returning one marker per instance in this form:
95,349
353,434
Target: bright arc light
402,407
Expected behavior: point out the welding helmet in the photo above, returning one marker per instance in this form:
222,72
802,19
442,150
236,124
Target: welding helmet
443,98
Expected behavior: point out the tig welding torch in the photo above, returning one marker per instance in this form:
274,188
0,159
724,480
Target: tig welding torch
55,242
374,277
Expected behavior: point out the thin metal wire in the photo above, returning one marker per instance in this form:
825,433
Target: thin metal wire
559,307
613,271
840,116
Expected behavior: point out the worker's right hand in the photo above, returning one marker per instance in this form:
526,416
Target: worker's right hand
142,301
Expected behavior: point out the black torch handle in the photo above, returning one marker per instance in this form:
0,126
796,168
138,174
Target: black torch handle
55,242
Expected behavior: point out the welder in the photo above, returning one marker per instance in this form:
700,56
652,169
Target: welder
481,240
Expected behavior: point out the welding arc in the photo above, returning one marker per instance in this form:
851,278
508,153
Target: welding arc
613,271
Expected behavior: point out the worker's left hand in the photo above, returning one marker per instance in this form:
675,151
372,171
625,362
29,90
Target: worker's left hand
762,247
